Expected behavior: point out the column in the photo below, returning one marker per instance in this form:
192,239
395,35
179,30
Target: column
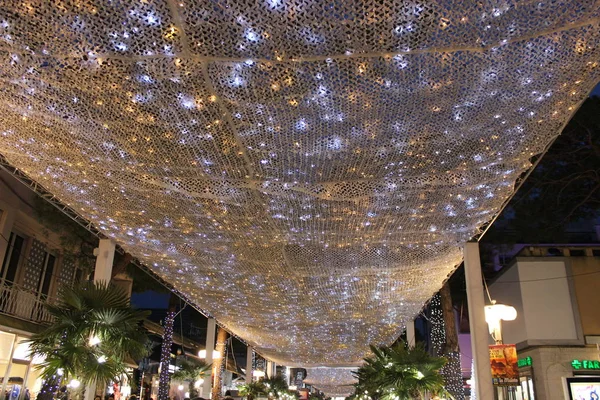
269,371
479,330
7,219
410,333
211,330
105,255
249,359
219,363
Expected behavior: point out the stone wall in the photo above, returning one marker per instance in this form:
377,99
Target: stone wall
552,364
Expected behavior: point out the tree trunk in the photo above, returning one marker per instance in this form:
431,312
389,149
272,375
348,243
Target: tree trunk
165,353
219,363
449,320
452,371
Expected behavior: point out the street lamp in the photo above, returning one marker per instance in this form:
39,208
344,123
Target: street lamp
494,315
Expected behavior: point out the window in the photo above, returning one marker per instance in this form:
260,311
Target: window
554,252
10,265
78,275
577,253
47,273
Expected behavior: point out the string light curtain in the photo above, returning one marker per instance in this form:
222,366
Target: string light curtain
272,156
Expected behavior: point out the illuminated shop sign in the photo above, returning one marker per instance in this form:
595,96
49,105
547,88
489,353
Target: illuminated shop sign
585,364
525,362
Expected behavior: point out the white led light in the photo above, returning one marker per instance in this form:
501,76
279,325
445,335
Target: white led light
94,340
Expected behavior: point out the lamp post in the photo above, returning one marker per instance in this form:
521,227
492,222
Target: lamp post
494,315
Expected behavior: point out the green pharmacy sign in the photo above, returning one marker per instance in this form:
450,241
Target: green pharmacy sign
524,362
585,364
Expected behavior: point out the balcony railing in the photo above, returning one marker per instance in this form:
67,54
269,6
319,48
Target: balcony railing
23,304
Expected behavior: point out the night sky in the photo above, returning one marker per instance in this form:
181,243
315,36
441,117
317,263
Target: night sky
596,91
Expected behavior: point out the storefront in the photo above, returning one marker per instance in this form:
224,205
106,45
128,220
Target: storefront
512,377
526,388
19,378
554,372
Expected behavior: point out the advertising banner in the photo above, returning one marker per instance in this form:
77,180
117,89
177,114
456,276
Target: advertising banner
504,363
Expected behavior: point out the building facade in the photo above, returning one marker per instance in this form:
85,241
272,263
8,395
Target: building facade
557,331
35,267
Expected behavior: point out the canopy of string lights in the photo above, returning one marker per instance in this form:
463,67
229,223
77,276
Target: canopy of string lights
304,171
334,382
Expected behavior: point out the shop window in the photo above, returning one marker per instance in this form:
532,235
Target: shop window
21,350
15,386
21,370
6,344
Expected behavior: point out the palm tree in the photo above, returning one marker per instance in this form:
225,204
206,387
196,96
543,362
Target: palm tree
191,371
252,390
400,373
275,386
94,334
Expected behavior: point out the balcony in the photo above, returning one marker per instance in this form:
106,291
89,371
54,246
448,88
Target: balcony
27,305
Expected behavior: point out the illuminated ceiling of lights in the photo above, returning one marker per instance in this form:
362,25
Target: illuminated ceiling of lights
334,382
304,171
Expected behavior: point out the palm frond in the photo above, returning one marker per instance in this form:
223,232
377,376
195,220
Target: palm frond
191,370
399,372
92,309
